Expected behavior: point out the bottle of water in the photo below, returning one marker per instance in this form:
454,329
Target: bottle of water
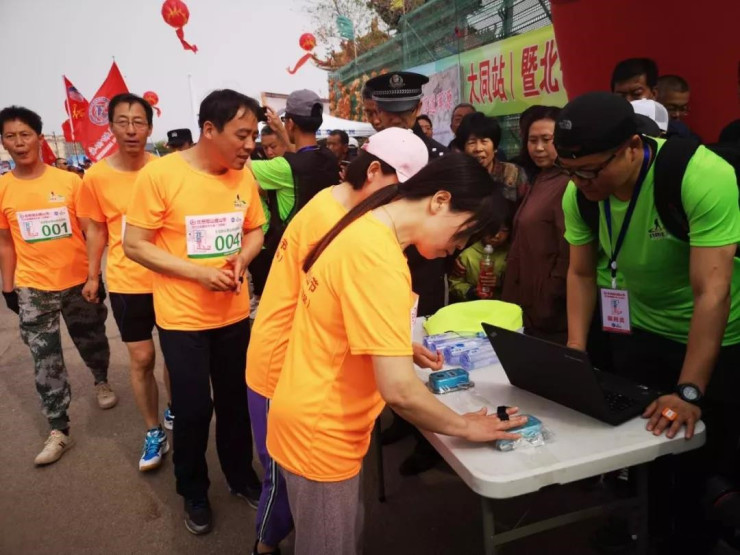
478,358
486,269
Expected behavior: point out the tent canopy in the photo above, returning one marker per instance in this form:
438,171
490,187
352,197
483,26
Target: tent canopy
352,128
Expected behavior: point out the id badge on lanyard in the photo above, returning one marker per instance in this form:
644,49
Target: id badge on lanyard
615,303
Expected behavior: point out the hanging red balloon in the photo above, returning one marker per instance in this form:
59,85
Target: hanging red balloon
176,14
152,98
307,42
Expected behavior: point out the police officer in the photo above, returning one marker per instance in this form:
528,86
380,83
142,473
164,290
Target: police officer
179,139
398,98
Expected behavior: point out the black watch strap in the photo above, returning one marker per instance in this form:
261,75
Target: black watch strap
693,399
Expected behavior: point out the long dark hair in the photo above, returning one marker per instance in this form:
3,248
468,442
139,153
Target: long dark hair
533,114
469,184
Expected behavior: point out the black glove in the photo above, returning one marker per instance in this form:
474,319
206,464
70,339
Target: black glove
11,299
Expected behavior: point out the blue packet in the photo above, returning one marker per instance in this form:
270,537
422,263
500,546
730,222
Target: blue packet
531,432
446,381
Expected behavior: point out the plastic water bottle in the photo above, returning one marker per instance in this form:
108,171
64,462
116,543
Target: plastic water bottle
486,269
478,358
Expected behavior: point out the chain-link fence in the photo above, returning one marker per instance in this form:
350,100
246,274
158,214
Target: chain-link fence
436,30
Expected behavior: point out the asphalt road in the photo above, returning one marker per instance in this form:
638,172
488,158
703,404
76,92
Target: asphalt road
94,500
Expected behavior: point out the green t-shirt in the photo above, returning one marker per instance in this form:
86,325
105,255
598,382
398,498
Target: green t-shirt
653,266
276,175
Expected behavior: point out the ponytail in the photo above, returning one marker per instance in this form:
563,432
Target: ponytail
376,200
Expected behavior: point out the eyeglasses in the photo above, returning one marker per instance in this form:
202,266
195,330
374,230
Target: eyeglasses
137,123
589,173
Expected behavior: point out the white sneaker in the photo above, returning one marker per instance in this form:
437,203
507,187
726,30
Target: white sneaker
106,398
155,447
54,447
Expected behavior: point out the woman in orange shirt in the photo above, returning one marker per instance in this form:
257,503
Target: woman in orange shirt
350,348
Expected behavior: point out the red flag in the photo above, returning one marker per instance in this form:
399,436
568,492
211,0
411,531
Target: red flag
67,130
46,153
99,141
76,106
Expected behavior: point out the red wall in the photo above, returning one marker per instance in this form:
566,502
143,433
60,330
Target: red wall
698,40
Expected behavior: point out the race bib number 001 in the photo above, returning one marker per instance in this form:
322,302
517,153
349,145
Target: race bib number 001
212,235
44,225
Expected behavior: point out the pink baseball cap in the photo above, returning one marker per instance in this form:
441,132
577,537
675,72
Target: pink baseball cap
400,149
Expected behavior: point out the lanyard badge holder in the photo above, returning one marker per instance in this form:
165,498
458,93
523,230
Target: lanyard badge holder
615,303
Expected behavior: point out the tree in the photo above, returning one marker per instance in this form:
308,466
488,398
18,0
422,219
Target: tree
324,15
390,11
161,147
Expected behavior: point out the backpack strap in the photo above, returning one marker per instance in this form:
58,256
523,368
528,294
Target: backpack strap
670,166
589,211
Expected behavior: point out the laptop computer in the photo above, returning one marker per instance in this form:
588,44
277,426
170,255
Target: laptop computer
565,376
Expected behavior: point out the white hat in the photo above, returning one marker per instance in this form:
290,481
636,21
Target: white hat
353,142
400,149
652,109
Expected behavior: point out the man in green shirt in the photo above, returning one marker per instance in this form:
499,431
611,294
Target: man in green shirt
676,303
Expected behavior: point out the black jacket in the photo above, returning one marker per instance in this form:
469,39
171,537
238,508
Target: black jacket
428,276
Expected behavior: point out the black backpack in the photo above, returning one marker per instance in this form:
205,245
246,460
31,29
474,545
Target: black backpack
670,166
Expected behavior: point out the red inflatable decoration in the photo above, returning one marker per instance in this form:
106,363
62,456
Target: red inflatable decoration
176,14
308,42
152,98
593,36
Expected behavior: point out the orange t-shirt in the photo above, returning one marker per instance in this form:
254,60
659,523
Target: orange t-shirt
104,198
355,302
198,217
271,328
41,214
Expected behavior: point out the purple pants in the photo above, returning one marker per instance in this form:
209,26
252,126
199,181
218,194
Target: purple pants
274,521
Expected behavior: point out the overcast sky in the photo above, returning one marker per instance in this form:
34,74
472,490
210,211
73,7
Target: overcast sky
242,44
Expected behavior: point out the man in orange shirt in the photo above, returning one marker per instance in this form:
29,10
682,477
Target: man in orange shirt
44,266
106,192
195,220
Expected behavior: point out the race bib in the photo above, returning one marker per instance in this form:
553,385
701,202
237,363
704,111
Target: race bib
44,225
615,311
212,235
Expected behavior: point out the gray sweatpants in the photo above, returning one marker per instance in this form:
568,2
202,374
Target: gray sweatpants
328,516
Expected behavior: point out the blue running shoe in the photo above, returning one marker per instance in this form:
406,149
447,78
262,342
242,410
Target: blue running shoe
169,418
155,446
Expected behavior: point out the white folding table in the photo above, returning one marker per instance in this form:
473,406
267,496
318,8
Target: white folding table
580,447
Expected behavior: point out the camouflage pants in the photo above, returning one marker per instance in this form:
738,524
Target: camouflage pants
39,322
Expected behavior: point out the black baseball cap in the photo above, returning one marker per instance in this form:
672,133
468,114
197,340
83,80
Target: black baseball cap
399,91
177,137
594,122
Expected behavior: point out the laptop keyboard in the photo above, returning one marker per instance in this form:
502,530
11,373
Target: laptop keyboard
618,402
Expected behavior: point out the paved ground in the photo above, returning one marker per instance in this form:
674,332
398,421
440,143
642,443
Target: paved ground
95,501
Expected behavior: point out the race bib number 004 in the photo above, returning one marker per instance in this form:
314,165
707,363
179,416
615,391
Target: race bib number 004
44,225
212,235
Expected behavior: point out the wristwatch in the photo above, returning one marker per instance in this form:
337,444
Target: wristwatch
690,393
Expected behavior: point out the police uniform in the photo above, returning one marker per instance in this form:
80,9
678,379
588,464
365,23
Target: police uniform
401,91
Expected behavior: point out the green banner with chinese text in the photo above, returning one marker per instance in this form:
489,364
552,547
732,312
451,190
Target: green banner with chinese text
508,76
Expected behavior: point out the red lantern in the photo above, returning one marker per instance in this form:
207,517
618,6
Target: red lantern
176,14
152,98
307,42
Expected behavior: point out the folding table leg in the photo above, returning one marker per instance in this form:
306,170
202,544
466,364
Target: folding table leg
379,460
641,513
489,531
